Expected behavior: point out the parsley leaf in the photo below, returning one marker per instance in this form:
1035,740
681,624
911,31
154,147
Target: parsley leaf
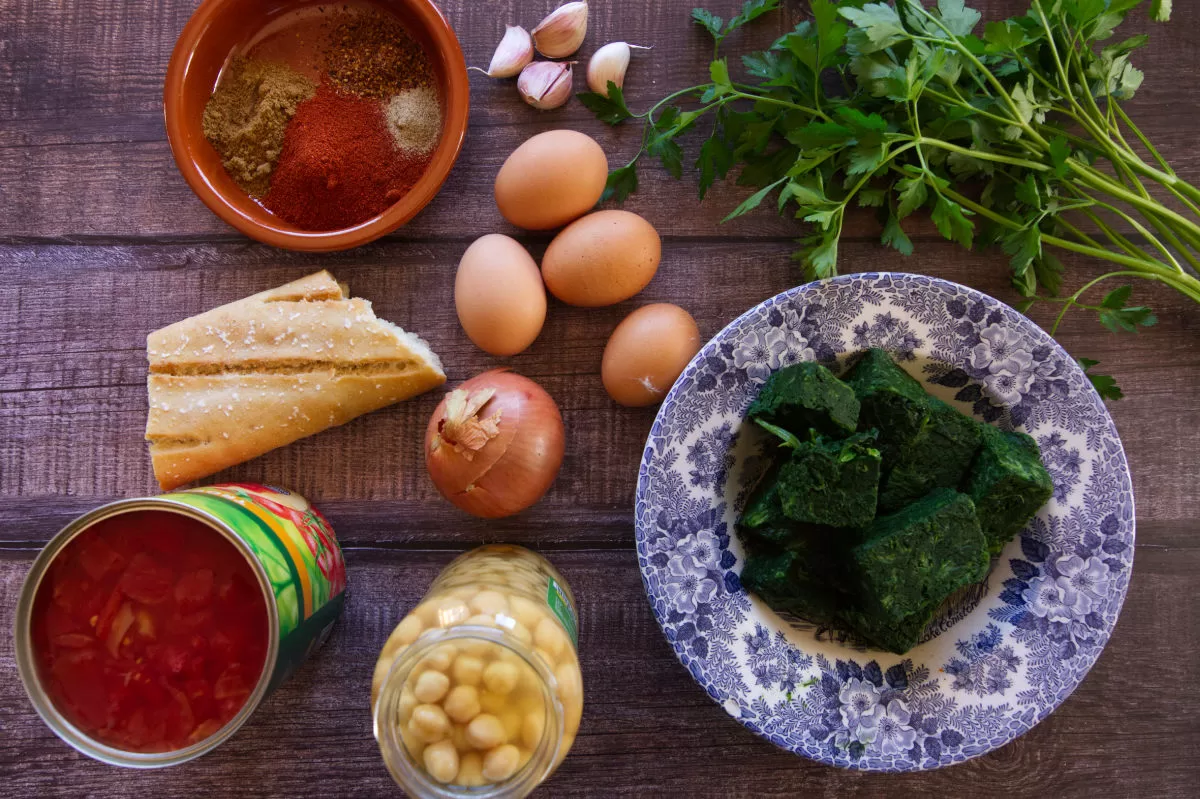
951,221
611,109
894,236
1119,317
1105,385
709,21
715,161
621,182
751,10
750,203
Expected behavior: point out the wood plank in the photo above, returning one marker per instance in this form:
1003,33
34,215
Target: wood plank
72,396
645,723
83,152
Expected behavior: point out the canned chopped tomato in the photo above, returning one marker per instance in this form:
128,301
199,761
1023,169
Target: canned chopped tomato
149,630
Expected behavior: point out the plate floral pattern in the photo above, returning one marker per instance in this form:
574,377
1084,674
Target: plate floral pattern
1003,655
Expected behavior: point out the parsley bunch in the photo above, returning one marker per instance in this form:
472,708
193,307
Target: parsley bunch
1011,135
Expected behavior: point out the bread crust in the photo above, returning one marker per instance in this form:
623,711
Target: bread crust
242,379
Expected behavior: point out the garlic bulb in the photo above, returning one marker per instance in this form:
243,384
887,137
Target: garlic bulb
560,34
512,55
609,64
546,84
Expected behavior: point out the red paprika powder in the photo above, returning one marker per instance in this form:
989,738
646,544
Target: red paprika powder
339,166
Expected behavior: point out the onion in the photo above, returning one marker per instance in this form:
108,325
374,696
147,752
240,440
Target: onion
495,444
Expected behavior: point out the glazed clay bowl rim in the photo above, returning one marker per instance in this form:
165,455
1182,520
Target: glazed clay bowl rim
187,141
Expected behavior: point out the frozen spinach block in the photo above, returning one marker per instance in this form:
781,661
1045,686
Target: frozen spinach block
1008,484
763,508
765,522
894,636
833,483
807,396
869,528
938,457
914,559
891,401
780,580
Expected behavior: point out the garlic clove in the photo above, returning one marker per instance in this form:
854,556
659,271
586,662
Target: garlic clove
512,55
609,64
560,34
546,84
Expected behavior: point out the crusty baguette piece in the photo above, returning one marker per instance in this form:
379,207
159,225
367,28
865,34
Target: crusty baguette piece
259,373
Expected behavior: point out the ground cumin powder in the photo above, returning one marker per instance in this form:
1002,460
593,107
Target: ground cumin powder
246,116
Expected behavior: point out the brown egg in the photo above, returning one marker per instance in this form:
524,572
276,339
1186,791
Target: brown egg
647,352
499,295
602,258
552,178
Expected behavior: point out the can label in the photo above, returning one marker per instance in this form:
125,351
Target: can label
299,552
560,606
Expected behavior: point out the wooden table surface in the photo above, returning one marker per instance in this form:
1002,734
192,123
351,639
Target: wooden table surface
101,241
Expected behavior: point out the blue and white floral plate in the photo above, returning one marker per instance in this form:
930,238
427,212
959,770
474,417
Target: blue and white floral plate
1005,654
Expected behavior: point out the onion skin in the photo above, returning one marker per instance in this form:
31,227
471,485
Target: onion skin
511,471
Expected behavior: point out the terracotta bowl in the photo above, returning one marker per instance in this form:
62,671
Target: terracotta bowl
218,29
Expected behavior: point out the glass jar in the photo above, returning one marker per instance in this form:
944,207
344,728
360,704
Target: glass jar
478,690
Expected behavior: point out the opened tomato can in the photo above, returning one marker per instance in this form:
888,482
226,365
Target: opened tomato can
149,630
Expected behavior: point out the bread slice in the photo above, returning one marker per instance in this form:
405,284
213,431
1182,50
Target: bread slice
259,373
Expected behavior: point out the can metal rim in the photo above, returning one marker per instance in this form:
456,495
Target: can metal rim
28,670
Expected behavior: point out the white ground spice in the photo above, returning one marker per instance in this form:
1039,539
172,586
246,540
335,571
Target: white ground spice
415,119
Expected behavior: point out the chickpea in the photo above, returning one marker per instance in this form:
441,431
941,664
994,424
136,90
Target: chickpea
470,770
549,636
451,611
458,737
492,703
489,602
546,657
429,723
532,728
404,707
570,683
482,620
485,732
512,721
412,742
427,613
467,670
463,592
406,631
518,630
462,703
382,667
501,677
525,611
500,763
441,658
441,761
431,686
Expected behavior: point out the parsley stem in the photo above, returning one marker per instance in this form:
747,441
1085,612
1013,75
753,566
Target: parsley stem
1142,138
980,155
758,98
1119,239
669,98
1123,243
1184,283
1098,180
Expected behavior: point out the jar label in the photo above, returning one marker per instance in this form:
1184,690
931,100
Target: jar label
560,606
